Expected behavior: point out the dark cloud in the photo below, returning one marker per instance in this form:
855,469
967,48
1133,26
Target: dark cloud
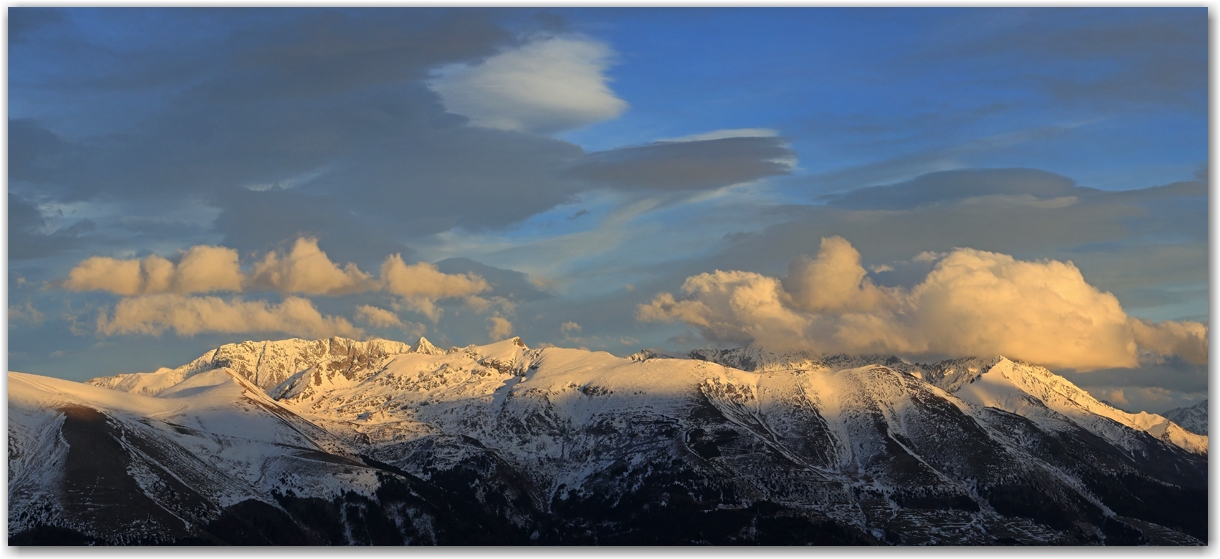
691,165
22,22
1098,57
1147,246
32,150
1153,387
1173,374
327,52
923,161
259,221
31,235
477,178
325,115
954,186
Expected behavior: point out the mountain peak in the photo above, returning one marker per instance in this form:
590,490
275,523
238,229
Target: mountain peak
425,347
265,364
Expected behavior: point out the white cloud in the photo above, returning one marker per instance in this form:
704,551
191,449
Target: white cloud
498,328
377,317
24,313
187,316
155,288
546,85
306,269
971,303
202,269
382,318
421,285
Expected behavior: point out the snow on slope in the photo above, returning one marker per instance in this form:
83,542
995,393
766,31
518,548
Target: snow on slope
502,391
852,438
1192,418
998,382
1037,393
248,443
267,364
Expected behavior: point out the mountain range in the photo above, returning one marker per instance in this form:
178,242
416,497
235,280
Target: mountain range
337,441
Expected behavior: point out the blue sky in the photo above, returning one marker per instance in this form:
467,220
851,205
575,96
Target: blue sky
585,163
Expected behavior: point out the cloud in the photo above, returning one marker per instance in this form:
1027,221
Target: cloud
972,302
569,327
482,305
1119,239
498,328
306,269
26,21
1167,376
722,134
31,235
24,313
424,280
976,302
382,318
332,104
546,85
833,282
1106,59
1185,339
99,273
955,186
421,285
687,165
188,316
201,269
510,284
376,317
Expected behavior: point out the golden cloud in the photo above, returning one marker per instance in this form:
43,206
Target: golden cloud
971,303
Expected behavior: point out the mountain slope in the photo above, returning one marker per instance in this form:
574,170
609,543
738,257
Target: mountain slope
1017,387
267,364
1039,394
1192,418
503,443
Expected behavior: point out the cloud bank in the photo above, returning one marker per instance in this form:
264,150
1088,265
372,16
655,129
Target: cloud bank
971,303
188,316
156,291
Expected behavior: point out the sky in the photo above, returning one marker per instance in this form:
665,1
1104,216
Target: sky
929,183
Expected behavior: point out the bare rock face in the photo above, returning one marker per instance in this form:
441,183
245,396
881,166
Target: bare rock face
344,442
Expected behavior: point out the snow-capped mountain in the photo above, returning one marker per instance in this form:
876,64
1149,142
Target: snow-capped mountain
1014,386
267,364
1192,418
377,442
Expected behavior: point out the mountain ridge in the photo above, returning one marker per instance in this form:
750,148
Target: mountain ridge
502,443
1192,418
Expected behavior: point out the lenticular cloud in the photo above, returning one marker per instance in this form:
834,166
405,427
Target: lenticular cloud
545,86
973,302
